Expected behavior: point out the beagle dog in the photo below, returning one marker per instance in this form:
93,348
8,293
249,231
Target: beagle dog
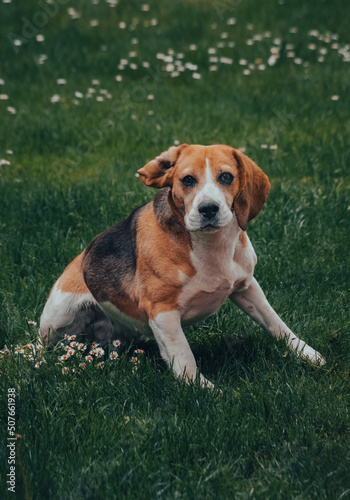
173,261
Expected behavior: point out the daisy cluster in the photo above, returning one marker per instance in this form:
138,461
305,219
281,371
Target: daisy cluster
220,55
33,351
71,353
69,348
223,50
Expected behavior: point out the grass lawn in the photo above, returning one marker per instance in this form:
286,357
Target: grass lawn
89,92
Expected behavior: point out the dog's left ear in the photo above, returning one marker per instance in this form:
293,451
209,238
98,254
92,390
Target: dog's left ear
159,172
253,190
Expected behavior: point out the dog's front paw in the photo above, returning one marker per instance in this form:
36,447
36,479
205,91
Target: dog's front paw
313,356
305,351
205,383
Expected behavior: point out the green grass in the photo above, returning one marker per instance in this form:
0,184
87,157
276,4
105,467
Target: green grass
277,429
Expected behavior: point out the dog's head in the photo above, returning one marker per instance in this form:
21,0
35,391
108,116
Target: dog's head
209,184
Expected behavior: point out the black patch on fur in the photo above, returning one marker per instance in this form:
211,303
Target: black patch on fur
110,259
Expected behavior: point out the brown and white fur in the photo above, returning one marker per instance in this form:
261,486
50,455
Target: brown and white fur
173,261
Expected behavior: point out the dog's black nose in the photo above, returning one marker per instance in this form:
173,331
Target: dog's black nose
208,210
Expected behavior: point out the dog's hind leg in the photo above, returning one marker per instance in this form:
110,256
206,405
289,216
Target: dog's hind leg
67,314
72,310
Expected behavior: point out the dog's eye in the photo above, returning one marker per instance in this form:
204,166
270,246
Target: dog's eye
189,181
225,178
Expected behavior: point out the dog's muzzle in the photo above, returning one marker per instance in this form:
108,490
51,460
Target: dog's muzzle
208,215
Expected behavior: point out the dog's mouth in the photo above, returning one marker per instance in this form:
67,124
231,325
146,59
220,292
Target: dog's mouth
205,226
209,228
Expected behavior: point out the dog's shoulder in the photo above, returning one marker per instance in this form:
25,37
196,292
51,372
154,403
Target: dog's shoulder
111,257
118,241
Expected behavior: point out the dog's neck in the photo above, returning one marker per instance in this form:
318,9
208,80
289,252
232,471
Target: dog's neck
219,244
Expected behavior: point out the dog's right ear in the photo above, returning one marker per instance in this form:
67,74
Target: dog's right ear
159,172
254,188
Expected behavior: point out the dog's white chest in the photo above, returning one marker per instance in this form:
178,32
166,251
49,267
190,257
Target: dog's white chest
217,276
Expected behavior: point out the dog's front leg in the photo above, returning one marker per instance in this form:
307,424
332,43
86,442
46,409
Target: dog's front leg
253,302
174,347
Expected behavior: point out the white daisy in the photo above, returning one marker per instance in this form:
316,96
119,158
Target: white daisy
226,60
